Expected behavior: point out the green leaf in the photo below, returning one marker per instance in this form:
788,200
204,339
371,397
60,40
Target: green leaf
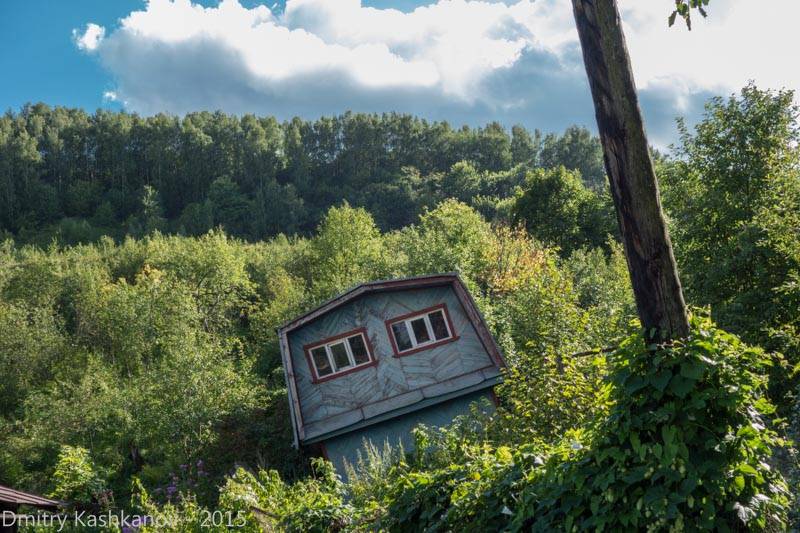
661,380
636,443
748,470
634,384
681,386
692,370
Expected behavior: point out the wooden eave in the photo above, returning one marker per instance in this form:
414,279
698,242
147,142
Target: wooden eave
14,497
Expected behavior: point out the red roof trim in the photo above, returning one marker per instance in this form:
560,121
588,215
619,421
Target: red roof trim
397,353
308,347
364,288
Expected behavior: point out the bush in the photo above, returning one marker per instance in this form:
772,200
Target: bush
685,445
76,479
268,503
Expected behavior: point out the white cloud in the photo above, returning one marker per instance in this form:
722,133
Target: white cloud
462,60
90,38
738,42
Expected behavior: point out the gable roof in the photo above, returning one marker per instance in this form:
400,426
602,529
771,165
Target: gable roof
485,378
17,497
415,282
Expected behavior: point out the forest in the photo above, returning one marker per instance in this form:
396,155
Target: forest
147,261
74,177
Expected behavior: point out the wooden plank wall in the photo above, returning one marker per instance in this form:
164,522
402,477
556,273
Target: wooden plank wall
395,381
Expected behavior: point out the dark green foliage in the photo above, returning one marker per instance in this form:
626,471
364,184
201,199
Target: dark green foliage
556,207
577,149
686,444
524,148
734,200
230,207
72,176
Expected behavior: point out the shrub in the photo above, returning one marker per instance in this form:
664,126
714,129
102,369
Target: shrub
686,444
76,479
268,503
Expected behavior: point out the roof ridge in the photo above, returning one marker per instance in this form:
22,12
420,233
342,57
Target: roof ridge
356,290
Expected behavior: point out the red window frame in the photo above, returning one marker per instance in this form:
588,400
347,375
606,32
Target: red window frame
370,353
397,353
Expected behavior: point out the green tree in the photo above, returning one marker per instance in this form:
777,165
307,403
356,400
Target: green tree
76,479
347,250
733,194
577,149
229,206
556,207
451,237
276,209
461,182
150,216
524,148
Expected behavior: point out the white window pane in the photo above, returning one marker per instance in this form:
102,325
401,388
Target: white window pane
359,349
339,354
438,325
420,330
321,361
401,336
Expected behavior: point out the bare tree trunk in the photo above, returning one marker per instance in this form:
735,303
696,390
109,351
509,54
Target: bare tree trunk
651,263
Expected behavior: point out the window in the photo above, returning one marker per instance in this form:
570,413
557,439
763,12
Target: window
339,355
420,330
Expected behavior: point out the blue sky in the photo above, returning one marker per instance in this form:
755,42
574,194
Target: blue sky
37,46
39,58
465,61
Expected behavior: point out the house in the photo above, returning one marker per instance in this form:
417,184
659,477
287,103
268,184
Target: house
383,357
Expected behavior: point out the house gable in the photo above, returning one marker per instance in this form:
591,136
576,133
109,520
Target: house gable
391,382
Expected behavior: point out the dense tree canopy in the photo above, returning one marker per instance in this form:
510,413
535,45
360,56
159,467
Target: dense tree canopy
556,207
733,194
74,176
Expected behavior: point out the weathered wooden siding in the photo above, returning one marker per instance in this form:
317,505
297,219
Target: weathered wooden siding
394,382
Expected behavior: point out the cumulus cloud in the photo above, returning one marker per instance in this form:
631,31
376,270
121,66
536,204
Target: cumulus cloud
90,38
466,61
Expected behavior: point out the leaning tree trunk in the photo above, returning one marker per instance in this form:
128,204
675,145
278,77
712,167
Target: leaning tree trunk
634,187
